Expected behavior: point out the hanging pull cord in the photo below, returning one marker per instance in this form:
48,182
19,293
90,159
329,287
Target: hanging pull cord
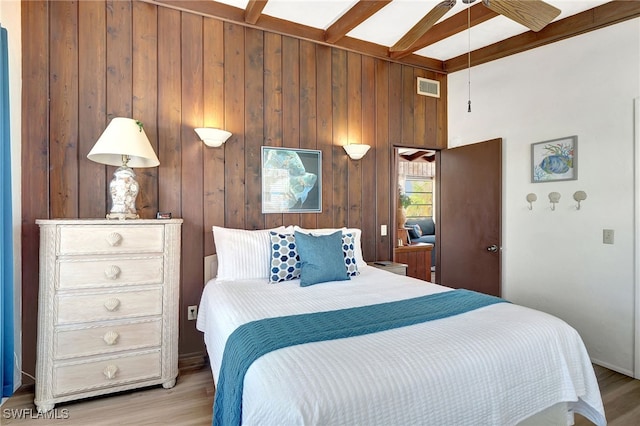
469,54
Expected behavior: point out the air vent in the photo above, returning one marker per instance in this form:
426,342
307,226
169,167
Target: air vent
428,87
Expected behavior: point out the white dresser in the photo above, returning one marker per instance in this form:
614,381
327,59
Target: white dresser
107,307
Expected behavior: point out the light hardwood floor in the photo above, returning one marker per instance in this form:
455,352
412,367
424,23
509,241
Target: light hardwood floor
190,402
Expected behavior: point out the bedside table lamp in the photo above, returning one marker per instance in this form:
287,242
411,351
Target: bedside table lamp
124,144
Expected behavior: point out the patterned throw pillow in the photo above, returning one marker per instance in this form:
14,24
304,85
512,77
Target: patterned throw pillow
348,250
285,262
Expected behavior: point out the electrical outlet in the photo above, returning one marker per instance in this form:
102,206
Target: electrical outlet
607,236
192,312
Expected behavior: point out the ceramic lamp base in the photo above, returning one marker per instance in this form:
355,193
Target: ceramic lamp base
124,190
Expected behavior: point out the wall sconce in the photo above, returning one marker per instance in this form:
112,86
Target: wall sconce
579,196
356,150
554,197
213,137
531,198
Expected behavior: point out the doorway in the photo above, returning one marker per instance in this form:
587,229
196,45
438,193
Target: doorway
416,185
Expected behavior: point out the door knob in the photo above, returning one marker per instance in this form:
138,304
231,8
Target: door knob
492,248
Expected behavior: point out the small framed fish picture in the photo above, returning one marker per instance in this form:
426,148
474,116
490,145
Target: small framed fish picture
291,180
554,160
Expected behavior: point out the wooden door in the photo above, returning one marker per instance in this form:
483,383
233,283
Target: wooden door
469,218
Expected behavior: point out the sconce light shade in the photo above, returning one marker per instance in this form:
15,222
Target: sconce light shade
357,150
124,143
212,137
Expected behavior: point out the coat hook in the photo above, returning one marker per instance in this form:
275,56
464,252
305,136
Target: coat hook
554,197
531,198
579,196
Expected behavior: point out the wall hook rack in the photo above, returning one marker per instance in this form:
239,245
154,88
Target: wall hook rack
531,197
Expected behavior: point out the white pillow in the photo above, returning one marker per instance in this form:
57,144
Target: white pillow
243,254
326,231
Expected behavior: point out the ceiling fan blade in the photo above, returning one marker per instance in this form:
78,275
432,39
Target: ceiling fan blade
423,26
533,14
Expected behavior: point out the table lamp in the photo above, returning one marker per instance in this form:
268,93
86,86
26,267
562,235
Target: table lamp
124,144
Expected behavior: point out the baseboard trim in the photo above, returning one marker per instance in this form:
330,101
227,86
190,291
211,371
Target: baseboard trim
193,361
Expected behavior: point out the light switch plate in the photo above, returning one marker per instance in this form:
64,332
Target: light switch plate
607,236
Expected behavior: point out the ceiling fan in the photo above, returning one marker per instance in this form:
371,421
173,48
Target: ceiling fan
533,14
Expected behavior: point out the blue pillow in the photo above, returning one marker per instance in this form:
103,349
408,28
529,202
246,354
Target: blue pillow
348,250
285,262
321,258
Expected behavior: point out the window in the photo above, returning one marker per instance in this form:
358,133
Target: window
420,191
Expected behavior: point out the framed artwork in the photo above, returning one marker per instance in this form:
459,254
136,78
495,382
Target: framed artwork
554,160
291,180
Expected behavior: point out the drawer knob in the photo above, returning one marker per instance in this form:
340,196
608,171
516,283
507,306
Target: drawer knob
110,371
112,304
112,272
114,239
110,337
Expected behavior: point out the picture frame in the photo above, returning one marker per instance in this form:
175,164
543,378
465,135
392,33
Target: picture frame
554,160
291,180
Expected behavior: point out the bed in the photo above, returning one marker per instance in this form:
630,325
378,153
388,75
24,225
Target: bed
500,364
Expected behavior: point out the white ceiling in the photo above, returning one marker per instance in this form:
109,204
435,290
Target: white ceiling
391,22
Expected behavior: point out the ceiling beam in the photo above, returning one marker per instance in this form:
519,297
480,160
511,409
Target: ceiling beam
593,19
253,10
268,23
450,26
359,13
424,25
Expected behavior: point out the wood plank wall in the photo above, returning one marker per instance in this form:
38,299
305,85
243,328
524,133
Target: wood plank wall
85,62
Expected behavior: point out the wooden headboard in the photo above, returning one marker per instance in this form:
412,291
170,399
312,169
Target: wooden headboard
210,267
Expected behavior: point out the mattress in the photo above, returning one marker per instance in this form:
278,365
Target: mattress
497,365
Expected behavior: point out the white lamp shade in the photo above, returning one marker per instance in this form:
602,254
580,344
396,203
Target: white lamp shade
357,150
124,136
212,137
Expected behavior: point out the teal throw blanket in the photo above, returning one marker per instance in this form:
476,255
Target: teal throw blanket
252,340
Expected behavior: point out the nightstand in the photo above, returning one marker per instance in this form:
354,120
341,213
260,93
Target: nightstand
107,307
396,268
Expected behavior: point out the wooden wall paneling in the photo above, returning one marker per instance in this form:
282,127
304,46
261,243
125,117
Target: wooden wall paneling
92,56
368,162
354,184
431,117
63,95
35,164
192,204
420,111
254,126
291,103
308,114
324,131
340,136
273,104
396,138
408,106
119,70
234,117
169,111
145,98
383,147
213,196
442,138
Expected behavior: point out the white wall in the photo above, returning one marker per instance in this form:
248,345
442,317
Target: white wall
10,18
555,260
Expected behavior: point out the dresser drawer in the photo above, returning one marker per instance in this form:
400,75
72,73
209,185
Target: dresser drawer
87,307
110,239
107,372
108,338
79,273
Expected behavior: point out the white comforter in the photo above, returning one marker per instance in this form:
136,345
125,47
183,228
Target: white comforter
497,365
